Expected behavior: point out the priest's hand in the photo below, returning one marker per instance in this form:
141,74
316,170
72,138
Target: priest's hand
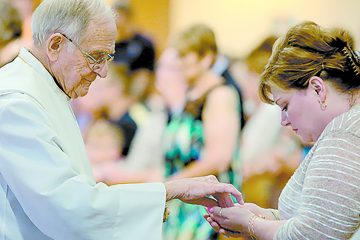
206,191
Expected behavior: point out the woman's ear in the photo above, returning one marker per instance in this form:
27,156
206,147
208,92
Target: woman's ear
317,85
53,46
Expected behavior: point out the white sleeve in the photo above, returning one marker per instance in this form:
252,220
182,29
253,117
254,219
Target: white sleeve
61,202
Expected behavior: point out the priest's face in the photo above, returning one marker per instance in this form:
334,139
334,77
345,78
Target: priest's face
79,64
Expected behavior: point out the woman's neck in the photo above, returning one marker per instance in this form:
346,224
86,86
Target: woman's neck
204,82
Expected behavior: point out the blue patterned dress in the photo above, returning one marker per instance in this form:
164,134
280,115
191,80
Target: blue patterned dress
184,140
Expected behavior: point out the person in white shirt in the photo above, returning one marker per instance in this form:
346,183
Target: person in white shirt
47,190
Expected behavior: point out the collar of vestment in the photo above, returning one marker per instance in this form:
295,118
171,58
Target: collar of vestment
40,70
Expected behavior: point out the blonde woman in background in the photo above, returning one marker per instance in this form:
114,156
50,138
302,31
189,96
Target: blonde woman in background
202,138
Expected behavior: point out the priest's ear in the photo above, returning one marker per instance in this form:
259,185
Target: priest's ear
54,44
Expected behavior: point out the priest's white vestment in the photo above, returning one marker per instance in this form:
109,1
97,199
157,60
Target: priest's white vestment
47,187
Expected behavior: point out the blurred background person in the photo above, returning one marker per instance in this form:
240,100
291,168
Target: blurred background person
222,67
117,99
136,53
103,142
171,81
89,108
21,36
145,159
133,49
203,138
10,30
146,149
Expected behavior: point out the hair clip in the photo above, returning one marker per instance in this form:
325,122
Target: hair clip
354,59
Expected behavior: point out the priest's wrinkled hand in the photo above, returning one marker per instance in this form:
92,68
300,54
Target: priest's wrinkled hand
206,191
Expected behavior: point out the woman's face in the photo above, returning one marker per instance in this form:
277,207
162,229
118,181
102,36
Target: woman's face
192,66
300,109
170,79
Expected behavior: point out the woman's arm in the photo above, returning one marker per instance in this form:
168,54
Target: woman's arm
265,213
330,192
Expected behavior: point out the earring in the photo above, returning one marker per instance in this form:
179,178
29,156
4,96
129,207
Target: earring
323,105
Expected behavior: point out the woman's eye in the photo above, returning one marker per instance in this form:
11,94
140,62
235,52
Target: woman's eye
284,108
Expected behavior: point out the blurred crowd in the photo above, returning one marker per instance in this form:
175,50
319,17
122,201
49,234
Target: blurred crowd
184,111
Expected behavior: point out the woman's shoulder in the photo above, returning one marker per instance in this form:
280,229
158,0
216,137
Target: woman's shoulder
347,122
338,146
222,91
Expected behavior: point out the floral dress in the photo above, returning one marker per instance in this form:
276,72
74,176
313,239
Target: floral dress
184,140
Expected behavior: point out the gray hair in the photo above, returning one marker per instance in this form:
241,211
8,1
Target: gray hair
70,17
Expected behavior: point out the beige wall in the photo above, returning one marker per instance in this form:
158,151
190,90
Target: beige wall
241,24
152,17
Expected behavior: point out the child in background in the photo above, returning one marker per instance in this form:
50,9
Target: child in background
103,143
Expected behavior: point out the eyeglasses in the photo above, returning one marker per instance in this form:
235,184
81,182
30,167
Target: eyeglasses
95,63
